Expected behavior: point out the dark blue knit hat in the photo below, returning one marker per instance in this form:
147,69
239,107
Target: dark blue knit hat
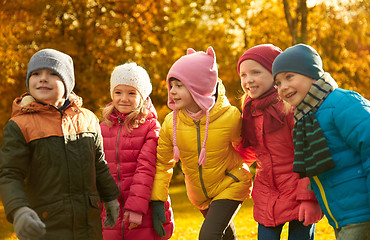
300,58
60,63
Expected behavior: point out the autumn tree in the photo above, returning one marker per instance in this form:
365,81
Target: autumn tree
101,34
296,20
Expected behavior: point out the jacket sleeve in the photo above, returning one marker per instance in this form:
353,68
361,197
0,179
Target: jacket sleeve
15,156
165,162
304,190
105,183
246,153
142,182
352,121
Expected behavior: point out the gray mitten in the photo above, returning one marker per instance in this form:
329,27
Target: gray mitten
27,224
112,213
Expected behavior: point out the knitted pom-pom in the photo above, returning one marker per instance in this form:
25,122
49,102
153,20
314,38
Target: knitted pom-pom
202,157
176,153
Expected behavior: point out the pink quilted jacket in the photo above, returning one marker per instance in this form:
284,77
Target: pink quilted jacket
131,159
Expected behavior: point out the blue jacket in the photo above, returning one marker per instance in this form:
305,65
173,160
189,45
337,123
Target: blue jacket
344,191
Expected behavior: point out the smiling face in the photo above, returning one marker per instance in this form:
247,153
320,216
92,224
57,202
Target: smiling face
47,87
126,98
255,79
293,87
182,97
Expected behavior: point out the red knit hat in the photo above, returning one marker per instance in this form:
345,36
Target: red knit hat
198,72
264,54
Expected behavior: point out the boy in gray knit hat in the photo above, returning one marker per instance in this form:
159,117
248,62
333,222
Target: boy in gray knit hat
60,63
53,175
331,139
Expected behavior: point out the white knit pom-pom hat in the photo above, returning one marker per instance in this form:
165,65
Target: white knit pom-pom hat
132,75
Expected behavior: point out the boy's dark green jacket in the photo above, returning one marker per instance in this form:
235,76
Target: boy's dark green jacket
53,162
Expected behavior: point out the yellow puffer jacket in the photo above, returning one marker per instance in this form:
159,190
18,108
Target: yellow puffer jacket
224,176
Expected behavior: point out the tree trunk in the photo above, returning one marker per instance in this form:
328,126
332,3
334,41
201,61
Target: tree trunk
299,19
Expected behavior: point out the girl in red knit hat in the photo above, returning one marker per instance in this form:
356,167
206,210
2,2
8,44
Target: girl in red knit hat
201,132
279,195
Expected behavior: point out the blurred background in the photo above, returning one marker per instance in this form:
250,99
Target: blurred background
101,34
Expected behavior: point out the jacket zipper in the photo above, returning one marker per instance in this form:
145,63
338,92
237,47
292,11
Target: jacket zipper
200,166
322,192
118,176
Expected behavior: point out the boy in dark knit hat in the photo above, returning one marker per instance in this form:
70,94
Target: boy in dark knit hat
331,139
279,195
53,175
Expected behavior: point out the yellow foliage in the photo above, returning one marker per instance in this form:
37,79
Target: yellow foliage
155,33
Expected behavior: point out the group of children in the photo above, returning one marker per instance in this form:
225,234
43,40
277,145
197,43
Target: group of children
310,141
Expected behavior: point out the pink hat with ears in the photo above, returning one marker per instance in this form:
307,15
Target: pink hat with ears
198,72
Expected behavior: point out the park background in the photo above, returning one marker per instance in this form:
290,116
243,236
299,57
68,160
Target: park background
101,34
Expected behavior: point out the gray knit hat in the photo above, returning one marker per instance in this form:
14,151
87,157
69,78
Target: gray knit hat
300,58
132,75
60,63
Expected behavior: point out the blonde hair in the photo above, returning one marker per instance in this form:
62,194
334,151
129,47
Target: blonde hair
133,119
244,97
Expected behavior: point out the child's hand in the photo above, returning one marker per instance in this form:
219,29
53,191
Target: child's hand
309,212
159,217
27,224
134,218
112,212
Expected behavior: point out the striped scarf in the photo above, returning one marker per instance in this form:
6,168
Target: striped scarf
312,155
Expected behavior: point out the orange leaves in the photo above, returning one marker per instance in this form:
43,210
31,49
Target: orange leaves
155,33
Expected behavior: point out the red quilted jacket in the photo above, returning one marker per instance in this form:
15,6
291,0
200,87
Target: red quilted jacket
131,160
277,190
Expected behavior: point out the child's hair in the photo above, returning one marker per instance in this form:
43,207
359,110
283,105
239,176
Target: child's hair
173,79
133,119
130,74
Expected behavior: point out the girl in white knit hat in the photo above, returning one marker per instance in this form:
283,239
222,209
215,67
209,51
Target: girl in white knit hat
203,131
130,131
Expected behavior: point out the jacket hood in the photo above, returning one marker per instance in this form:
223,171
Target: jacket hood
221,106
28,104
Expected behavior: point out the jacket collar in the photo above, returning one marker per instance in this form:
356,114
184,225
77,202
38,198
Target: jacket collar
28,104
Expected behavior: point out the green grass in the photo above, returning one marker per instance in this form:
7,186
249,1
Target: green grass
188,219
